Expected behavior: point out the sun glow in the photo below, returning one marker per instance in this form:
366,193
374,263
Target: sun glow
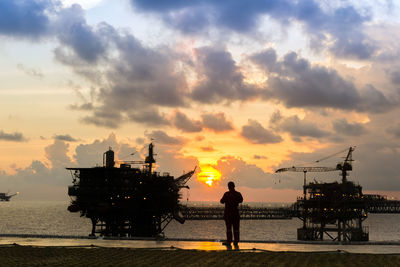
208,175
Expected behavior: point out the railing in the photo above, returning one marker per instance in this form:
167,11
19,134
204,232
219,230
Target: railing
264,213
384,206
246,213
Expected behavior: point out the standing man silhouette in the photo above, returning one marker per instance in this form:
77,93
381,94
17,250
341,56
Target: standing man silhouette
231,199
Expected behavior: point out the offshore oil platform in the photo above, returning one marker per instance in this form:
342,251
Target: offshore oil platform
127,201
335,209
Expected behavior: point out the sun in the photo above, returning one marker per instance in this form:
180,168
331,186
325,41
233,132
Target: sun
208,175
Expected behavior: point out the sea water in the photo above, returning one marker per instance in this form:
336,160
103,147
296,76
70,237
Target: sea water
52,218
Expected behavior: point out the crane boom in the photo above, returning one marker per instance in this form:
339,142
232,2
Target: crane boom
306,169
344,167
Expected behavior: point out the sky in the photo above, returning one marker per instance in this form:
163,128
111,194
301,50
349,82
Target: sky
236,88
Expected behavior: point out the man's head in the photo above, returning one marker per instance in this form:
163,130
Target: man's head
231,186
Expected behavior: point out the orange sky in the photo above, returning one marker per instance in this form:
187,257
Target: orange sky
244,89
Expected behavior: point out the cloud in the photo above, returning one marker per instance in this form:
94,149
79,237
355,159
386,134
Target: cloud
376,165
394,130
182,122
104,118
199,138
340,28
221,80
162,138
84,106
131,79
259,157
39,180
65,137
35,19
87,42
255,133
25,18
15,137
346,128
216,122
395,77
135,83
57,154
207,149
296,127
189,21
297,83
245,174
31,72
151,117
301,128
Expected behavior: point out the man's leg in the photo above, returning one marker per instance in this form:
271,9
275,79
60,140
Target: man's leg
228,224
236,225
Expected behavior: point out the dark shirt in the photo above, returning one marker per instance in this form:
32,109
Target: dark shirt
231,199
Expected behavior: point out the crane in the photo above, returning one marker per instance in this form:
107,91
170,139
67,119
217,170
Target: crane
332,155
305,170
343,166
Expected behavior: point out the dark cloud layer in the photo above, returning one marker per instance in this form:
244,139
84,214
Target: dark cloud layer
299,128
221,79
133,81
395,77
136,78
216,122
255,133
342,126
65,137
87,42
182,122
296,127
16,136
163,138
340,29
137,81
24,18
297,83
394,130
151,117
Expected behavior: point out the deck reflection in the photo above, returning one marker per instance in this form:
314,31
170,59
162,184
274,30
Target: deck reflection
207,245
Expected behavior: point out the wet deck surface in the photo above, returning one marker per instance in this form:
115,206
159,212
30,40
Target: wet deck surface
206,245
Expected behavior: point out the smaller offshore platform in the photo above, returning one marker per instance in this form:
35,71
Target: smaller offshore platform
7,196
127,201
335,209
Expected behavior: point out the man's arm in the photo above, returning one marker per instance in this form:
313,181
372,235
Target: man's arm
240,198
223,199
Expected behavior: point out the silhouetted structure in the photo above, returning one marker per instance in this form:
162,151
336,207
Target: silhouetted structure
335,209
126,201
6,196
